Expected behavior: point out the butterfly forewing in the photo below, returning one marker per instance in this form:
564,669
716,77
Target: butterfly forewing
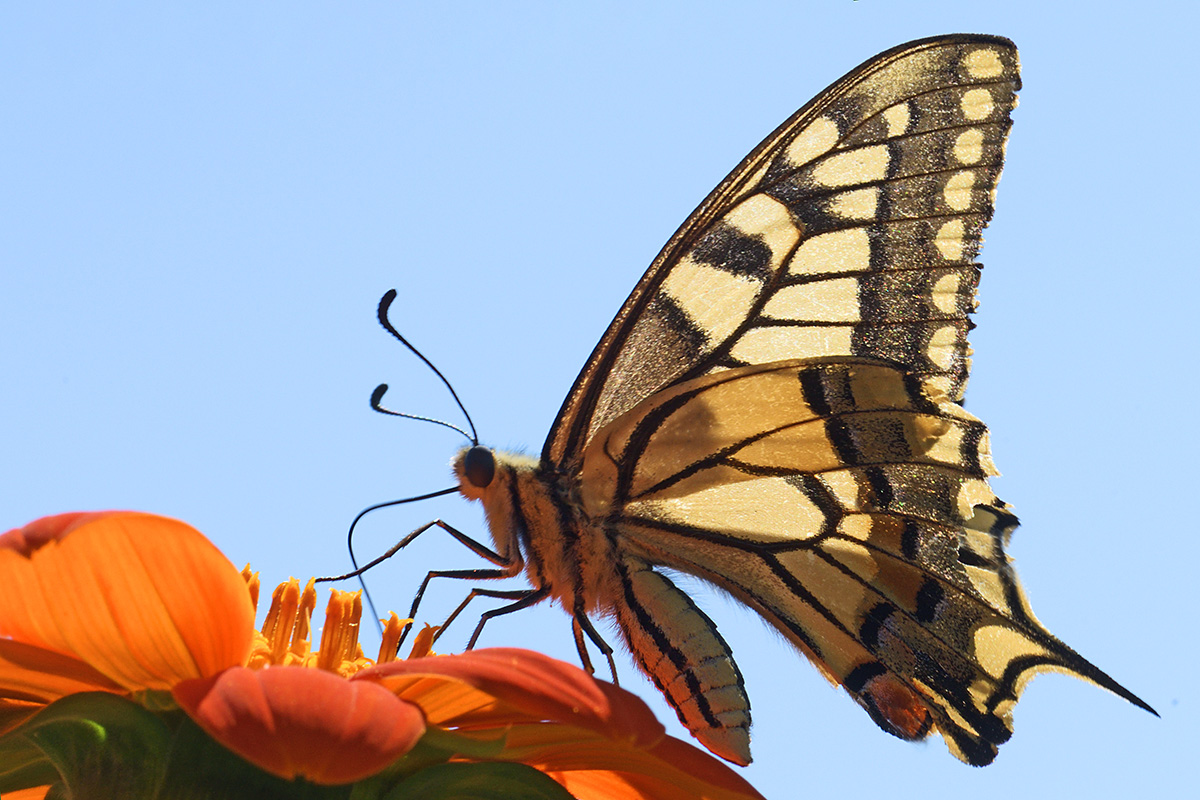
850,231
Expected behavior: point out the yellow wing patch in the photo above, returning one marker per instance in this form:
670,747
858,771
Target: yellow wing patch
879,187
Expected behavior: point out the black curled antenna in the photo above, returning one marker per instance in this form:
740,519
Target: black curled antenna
385,303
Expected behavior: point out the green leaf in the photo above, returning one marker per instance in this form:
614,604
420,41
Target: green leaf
437,746
202,769
23,764
485,781
96,744
102,746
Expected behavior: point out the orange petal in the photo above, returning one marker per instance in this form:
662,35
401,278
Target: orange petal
445,702
147,601
47,529
36,793
300,722
592,767
13,714
36,674
534,685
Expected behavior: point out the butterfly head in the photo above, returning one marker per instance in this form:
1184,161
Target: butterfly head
476,468
493,477
483,473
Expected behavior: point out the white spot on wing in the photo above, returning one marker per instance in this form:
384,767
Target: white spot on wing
856,204
945,293
968,147
958,190
837,251
864,165
842,486
897,118
716,300
764,345
817,139
983,64
761,510
856,526
949,240
977,104
943,346
830,301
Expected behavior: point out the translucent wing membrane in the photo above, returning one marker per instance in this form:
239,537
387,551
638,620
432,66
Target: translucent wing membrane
850,231
846,501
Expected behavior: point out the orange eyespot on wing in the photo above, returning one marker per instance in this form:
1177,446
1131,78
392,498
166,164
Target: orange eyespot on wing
895,707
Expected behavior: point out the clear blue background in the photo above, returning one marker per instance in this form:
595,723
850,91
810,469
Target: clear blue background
199,209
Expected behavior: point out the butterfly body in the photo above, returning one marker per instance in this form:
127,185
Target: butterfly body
776,410
539,522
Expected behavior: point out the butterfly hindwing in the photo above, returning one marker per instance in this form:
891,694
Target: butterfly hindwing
846,501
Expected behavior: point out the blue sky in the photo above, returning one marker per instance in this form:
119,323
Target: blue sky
201,208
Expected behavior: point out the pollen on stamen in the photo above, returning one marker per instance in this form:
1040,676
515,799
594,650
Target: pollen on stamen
285,636
392,631
302,633
287,624
340,651
423,642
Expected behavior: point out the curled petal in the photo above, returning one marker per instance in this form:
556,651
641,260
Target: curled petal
593,768
507,680
144,600
299,722
41,676
47,529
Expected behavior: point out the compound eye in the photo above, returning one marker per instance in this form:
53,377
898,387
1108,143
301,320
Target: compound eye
479,466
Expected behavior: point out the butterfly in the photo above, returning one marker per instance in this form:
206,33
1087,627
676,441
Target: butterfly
777,410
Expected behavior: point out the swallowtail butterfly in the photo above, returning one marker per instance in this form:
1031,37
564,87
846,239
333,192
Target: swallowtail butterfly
776,409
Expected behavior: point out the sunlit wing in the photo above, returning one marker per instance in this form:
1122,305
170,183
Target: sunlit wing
851,230
846,501
777,410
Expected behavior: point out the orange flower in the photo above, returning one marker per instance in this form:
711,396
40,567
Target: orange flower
594,738
118,620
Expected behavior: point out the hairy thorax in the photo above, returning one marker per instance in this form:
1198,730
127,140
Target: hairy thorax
535,516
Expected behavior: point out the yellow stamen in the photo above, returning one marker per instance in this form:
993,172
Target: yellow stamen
423,642
285,636
281,619
252,583
339,637
301,634
391,638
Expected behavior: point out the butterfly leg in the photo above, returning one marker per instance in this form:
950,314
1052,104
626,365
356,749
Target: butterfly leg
502,594
507,567
580,624
481,550
525,598
581,647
